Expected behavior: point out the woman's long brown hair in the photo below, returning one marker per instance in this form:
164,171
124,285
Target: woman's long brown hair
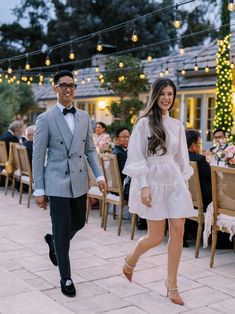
157,140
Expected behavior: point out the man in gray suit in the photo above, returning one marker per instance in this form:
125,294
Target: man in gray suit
64,134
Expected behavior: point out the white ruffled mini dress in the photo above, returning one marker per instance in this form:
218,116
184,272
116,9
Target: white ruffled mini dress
166,176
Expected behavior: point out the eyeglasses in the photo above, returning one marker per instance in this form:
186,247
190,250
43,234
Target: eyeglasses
65,86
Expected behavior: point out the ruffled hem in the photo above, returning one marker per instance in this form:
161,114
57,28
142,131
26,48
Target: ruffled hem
136,169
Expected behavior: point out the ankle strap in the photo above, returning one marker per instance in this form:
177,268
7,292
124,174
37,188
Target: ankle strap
173,289
132,267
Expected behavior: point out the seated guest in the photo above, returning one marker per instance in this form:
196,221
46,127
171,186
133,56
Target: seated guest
220,139
13,134
101,138
204,170
194,145
28,143
122,136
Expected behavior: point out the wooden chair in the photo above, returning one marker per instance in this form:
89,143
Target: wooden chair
26,173
195,190
3,160
94,193
16,166
112,176
223,197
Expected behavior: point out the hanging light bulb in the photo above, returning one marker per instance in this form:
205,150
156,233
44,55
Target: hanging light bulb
28,83
75,72
9,70
231,5
161,74
232,63
149,58
83,81
121,64
0,80
167,71
101,76
48,60
134,36
71,53
41,78
97,69
176,22
207,69
27,64
102,81
183,71
99,46
196,67
18,82
142,76
88,79
182,51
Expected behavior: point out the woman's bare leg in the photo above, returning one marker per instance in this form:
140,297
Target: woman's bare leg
175,245
155,235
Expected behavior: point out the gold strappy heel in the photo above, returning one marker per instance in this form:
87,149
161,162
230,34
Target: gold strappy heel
128,274
174,300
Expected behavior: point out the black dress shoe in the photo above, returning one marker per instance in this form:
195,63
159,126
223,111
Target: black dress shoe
52,255
67,287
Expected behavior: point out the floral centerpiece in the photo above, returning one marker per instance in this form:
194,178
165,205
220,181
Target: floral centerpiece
229,156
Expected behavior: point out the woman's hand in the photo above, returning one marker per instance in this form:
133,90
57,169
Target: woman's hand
146,197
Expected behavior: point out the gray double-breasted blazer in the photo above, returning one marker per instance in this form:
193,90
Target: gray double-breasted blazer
59,157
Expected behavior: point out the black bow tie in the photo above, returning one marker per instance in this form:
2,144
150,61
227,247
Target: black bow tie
71,110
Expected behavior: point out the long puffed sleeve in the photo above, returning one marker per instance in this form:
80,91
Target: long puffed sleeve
136,165
182,157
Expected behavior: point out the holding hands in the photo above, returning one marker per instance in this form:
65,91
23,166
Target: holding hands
102,186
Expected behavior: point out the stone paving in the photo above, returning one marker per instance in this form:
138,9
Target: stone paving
30,283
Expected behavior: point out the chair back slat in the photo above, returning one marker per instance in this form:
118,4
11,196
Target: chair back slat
3,153
223,190
194,187
111,172
15,157
24,160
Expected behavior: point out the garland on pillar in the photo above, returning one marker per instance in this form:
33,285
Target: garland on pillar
224,106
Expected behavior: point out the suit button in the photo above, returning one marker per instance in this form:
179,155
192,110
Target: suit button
80,170
61,142
69,157
83,140
80,156
66,172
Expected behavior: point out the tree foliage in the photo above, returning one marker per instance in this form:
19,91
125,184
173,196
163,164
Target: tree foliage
14,99
51,22
129,86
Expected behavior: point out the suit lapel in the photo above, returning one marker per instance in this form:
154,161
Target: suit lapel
77,133
64,128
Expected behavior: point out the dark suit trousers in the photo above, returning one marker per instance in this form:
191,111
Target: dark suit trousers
68,215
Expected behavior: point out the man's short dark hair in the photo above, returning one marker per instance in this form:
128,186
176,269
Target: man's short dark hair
119,130
192,137
220,130
61,74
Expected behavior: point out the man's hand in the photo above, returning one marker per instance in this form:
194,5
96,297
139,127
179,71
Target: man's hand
102,186
41,201
146,197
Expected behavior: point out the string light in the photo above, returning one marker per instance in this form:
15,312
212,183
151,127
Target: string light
27,64
232,63
134,36
121,64
207,69
48,61
9,70
196,67
167,71
97,69
149,58
182,51
177,22
99,46
71,53
231,5
142,76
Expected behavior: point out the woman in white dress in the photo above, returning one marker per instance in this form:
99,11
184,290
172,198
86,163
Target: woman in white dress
158,163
